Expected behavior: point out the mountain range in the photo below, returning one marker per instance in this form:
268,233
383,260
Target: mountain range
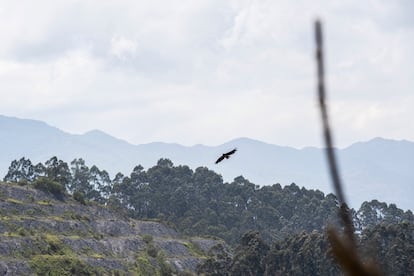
377,169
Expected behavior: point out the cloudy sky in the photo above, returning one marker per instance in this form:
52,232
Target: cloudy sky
209,71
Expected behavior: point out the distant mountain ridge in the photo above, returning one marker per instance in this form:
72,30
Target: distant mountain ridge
377,169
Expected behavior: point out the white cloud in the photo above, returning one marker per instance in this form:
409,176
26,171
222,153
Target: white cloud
208,71
123,48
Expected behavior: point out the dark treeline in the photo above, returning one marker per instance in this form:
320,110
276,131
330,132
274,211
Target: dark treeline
391,246
291,220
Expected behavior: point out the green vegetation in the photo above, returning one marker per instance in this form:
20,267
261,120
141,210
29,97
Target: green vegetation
165,268
44,202
147,238
392,245
148,265
48,185
15,201
152,250
194,248
79,197
61,265
143,266
55,245
272,229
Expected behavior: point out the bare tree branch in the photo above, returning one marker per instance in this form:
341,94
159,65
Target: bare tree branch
344,248
324,113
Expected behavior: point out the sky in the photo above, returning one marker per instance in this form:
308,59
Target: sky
208,71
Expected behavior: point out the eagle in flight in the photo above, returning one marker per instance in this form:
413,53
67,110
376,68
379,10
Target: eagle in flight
225,156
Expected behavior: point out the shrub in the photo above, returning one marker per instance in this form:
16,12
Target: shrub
152,250
22,232
165,267
23,182
144,266
147,238
60,266
79,197
55,245
47,185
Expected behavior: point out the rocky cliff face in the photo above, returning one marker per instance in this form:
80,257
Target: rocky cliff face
41,233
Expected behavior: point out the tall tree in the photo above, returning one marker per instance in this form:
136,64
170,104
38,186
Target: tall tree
80,177
20,170
250,256
101,183
58,170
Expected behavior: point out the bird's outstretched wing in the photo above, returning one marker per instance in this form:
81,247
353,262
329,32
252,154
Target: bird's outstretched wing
231,152
220,159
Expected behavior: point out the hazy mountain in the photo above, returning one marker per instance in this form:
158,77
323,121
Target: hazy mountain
377,169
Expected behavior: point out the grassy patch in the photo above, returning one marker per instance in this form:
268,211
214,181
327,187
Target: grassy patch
144,267
44,202
61,266
55,246
11,235
56,218
96,255
74,237
72,215
15,201
5,218
194,249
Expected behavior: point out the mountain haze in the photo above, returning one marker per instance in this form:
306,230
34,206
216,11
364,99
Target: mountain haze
376,169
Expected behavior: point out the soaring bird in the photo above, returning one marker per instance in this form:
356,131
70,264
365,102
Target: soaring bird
225,155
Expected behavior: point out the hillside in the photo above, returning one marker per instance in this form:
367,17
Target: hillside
273,230
369,168
41,232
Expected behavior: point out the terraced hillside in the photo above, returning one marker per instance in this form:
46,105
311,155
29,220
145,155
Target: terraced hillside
41,233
